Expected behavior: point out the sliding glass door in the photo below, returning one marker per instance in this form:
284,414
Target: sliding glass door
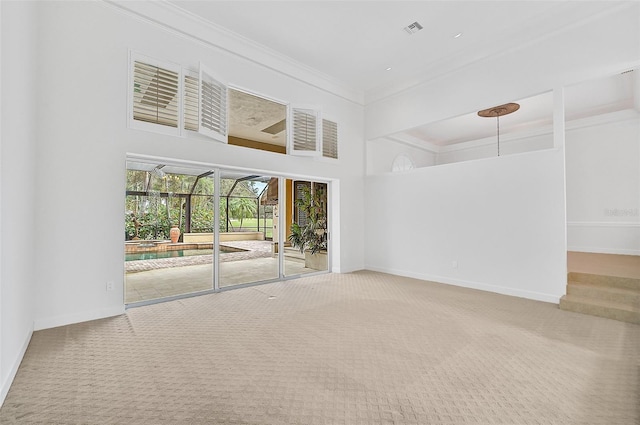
193,229
169,234
307,237
247,250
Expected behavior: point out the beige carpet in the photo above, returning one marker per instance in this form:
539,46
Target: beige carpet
362,348
604,264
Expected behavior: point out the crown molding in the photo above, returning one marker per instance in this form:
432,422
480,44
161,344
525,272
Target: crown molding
173,18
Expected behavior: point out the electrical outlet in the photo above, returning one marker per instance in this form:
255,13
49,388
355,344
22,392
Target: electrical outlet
110,285
454,264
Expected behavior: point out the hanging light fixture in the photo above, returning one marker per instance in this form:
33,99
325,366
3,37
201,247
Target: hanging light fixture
498,111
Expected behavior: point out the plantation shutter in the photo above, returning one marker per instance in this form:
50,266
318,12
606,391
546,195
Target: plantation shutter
329,139
155,94
212,116
191,102
306,132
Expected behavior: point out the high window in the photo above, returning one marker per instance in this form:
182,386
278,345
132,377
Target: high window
167,98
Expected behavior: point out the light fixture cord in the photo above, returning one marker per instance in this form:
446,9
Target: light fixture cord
498,121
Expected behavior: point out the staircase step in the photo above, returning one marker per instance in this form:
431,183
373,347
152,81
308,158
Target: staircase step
628,297
608,281
601,308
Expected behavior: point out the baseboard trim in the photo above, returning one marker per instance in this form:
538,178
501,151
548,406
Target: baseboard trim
604,250
621,224
4,389
56,321
345,270
536,296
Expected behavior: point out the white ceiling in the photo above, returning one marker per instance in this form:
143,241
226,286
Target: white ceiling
354,42
250,115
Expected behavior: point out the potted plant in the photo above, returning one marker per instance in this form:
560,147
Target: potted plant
311,237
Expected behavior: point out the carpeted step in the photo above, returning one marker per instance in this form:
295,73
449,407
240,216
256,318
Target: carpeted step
601,308
605,281
628,297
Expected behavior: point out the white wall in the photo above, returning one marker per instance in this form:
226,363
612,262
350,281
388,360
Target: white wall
603,186
18,248
488,148
83,80
382,152
501,219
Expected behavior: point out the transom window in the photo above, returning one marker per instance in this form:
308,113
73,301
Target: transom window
167,98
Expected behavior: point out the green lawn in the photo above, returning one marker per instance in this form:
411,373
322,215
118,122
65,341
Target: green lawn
251,224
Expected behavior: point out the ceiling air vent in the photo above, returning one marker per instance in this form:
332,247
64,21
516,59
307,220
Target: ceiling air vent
413,28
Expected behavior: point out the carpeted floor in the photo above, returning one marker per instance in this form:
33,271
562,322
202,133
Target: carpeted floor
361,348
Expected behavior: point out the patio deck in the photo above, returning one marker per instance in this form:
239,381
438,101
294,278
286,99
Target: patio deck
153,279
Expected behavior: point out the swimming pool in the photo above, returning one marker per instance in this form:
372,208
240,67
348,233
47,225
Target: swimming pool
155,255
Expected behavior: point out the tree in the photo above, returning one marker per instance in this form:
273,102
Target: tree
241,208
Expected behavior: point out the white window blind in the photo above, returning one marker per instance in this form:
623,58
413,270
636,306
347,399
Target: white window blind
191,103
329,139
306,132
213,106
155,94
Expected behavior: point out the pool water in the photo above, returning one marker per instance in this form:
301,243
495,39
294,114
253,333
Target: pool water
171,254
